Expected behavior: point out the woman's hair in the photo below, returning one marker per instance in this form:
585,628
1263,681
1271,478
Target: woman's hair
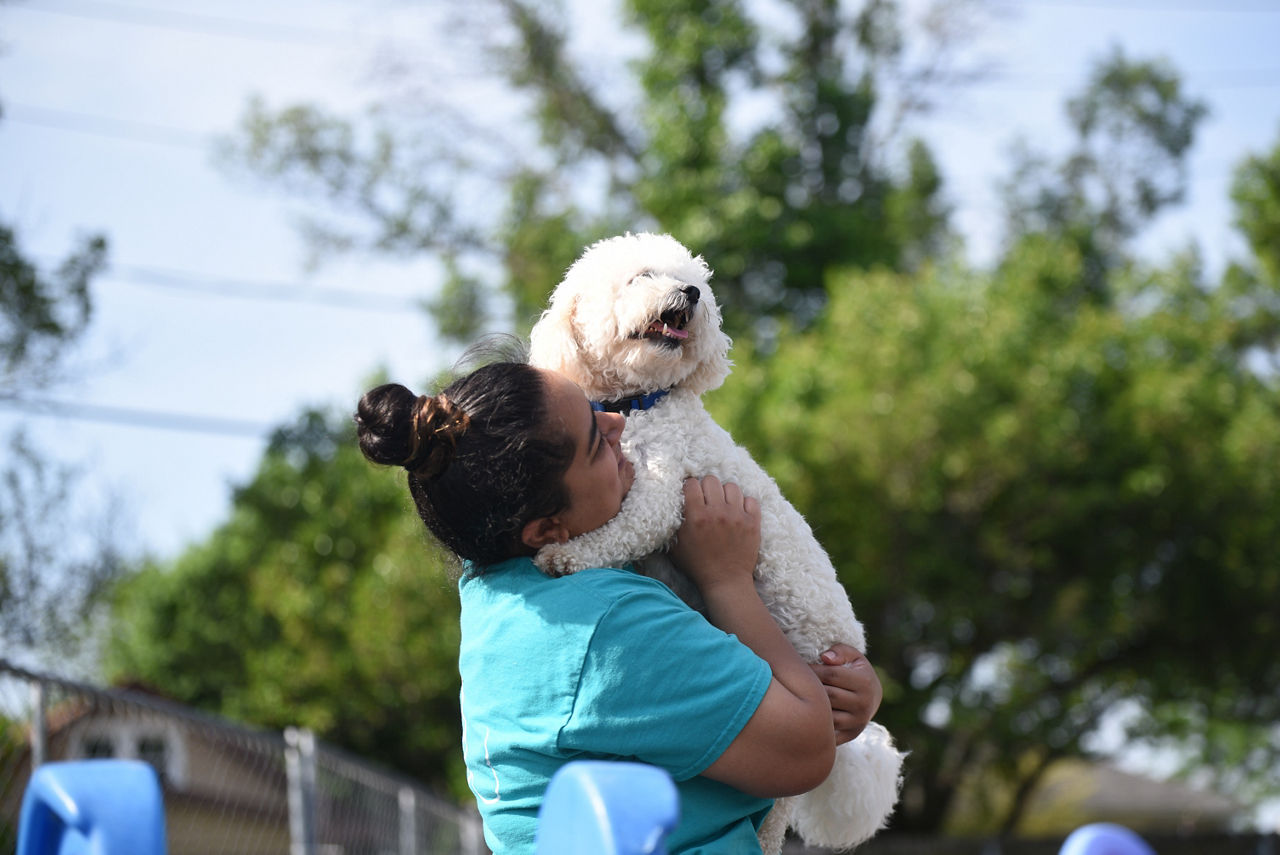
481,458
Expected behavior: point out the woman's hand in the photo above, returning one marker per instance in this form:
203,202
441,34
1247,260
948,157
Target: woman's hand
788,746
719,540
852,688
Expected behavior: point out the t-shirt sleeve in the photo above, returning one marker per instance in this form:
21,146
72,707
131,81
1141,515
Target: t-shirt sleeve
663,686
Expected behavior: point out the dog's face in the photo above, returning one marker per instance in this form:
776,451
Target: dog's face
633,315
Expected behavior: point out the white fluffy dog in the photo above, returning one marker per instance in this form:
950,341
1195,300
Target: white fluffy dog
635,324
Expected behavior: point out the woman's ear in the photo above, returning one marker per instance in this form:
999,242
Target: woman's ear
538,533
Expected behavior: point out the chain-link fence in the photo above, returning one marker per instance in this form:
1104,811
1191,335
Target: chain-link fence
227,789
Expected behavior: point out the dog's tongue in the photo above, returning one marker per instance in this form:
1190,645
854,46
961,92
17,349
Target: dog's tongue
668,331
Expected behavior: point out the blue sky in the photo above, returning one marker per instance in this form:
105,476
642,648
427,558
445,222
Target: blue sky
111,109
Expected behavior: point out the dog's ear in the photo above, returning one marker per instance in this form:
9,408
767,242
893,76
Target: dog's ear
713,361
542,531
554,338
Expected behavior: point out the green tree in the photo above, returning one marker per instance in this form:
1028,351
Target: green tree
42,315
1060,489
1256,192
1254,284
318,603
773,149
1047,506
1133,127
1060,492
49,581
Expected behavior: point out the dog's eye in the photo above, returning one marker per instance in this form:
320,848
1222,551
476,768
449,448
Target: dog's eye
646,272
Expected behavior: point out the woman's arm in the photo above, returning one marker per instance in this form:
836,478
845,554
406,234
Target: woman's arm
788,745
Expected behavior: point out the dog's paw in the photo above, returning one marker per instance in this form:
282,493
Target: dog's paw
555,559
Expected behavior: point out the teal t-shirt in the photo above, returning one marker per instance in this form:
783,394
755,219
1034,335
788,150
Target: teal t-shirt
602,664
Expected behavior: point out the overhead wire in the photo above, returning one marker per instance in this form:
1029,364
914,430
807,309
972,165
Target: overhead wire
215,287
1215,79
293,292
231,287
138,418
129,130
154,133
210,25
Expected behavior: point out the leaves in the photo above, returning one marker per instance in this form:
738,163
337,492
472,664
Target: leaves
41,315
1038,507
1256,193
319,603
1049,486
54,560
765,148
1134,126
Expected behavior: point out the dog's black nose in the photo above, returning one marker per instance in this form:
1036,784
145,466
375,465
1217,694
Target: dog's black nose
692,292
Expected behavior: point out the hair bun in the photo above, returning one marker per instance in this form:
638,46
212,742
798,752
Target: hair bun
438,424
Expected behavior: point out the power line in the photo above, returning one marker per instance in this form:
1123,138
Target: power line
1240,78
105,126
131,130
248,289
208,25
1225,78
292,292
129,417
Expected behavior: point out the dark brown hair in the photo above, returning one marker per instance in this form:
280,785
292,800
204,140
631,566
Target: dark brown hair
482,461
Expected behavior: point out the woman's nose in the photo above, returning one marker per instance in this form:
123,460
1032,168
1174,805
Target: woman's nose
611,425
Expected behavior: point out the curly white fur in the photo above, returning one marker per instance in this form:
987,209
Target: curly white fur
599,331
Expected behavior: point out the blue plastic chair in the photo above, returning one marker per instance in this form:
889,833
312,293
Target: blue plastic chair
92,807
1104,838
607,808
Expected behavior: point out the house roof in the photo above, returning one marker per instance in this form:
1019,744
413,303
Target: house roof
1097,792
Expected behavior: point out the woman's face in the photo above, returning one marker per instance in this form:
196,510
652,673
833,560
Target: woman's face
599,477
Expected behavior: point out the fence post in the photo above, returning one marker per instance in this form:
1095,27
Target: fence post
39,742
408,822
472,833
300,765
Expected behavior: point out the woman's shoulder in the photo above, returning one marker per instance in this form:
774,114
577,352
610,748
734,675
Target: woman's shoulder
521,564
520,576
606,586
518,603
611,585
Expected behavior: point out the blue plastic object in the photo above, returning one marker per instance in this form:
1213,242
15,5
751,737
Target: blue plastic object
595,807
1104,838
92,807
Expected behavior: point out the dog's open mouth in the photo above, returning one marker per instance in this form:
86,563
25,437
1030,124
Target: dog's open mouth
668,328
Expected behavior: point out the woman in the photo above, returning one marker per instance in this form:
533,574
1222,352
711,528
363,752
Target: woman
606,663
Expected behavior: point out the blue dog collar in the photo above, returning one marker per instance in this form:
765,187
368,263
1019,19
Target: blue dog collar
627,405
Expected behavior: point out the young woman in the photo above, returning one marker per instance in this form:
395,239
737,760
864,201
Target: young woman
606,663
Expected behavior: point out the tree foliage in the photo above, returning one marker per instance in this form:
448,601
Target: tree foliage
56,559
318,603
1059,494
40,315
1133,127
770,143
50,578
1043,506
1256,191
1049,486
